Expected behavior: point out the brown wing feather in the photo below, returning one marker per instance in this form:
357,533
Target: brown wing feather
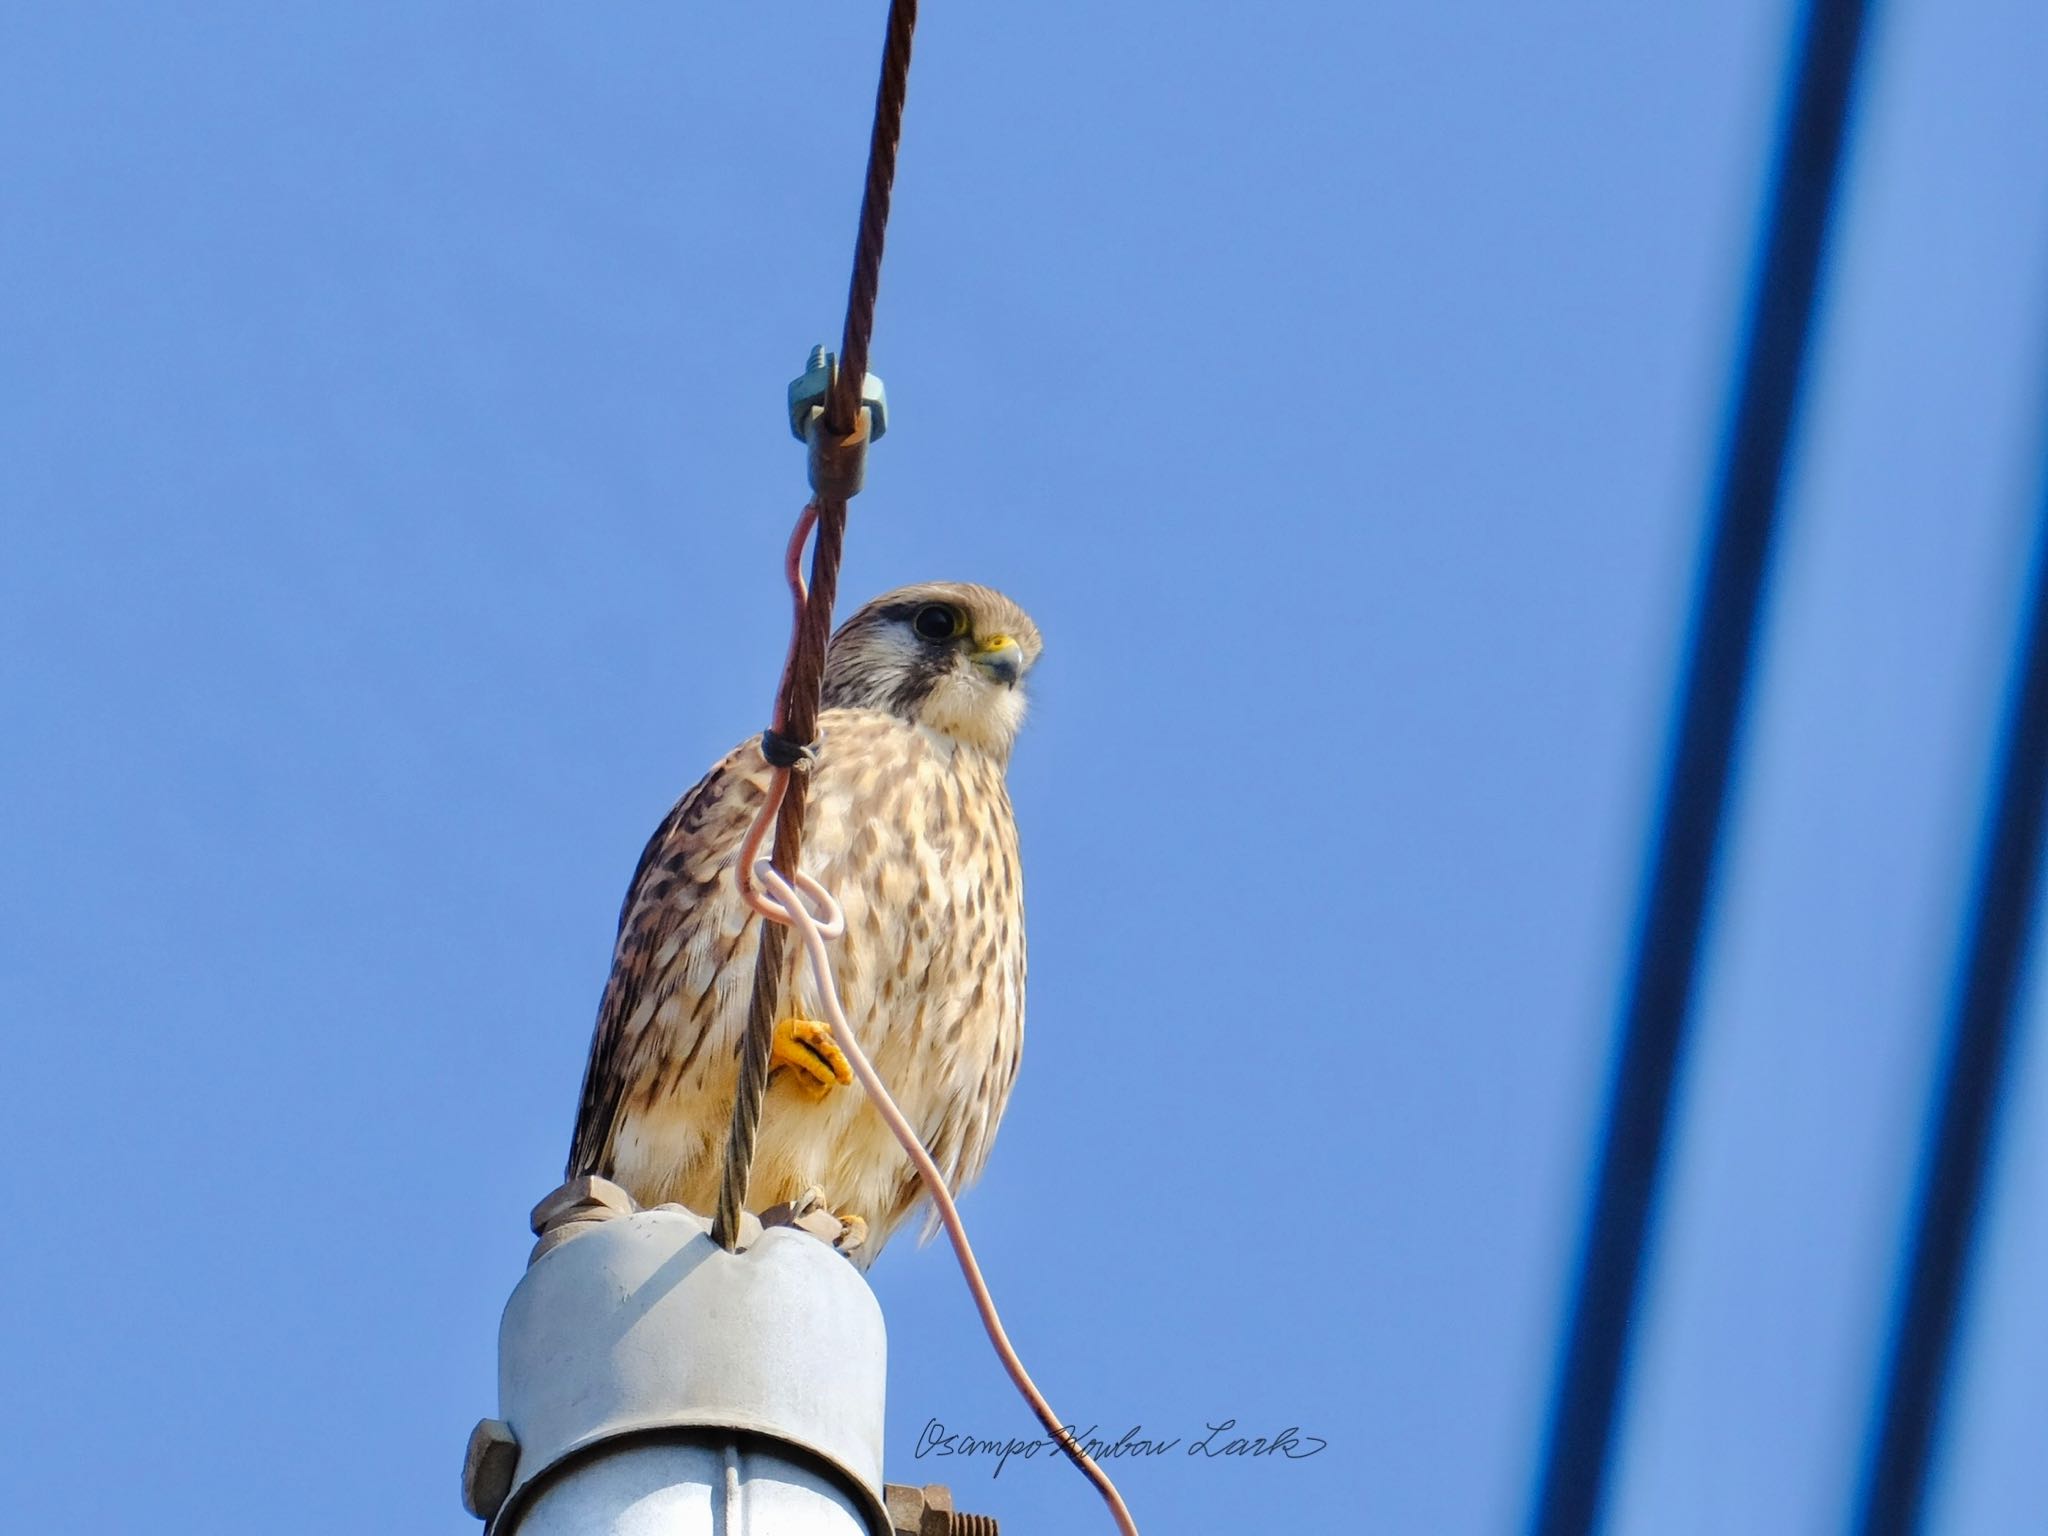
685,858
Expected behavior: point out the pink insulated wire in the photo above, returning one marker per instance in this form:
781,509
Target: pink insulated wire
788,908
778,782
765,890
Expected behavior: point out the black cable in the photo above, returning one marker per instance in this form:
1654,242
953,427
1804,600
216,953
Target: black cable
1982,1022
1695,790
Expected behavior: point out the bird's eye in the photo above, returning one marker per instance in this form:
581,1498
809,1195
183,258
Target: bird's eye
937,622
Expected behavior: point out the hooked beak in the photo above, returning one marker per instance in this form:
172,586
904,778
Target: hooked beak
1002,658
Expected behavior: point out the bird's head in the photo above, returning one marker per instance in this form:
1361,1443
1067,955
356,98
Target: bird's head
944,654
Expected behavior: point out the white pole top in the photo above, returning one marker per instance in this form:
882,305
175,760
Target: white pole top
650,1381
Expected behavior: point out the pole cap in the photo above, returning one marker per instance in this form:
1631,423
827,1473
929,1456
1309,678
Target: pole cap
641,1323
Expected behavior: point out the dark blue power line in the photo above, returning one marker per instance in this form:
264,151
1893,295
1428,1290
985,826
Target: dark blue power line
1695,790
1982,1022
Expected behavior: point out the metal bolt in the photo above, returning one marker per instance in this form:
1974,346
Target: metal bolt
807,392
928,1511
574,1208
487,1467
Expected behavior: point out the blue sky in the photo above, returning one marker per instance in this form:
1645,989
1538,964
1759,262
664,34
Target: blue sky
392,455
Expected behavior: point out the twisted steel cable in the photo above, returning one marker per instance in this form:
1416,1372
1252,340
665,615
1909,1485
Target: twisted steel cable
796,718
844,403
796,709
771,887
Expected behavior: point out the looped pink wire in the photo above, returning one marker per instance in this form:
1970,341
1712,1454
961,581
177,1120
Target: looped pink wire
778,782
774,904
779,903
814,936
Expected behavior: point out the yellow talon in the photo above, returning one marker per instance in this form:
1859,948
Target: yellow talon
807,1045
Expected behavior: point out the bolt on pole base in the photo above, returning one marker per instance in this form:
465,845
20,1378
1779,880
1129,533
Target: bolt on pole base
929,1511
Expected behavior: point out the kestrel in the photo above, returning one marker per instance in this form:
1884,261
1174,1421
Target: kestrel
909,826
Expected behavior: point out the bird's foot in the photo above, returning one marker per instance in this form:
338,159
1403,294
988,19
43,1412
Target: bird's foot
808,1211
808,1047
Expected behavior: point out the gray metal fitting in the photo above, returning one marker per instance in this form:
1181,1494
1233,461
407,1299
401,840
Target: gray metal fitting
638,1358
838,466
807,394
838,463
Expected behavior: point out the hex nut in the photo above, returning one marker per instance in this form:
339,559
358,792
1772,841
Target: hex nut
928,1511
938,1508
587,1198
807,392
487,1467
907,1508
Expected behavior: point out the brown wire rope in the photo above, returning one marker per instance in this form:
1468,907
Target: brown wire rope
796,710
844,403
796,719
